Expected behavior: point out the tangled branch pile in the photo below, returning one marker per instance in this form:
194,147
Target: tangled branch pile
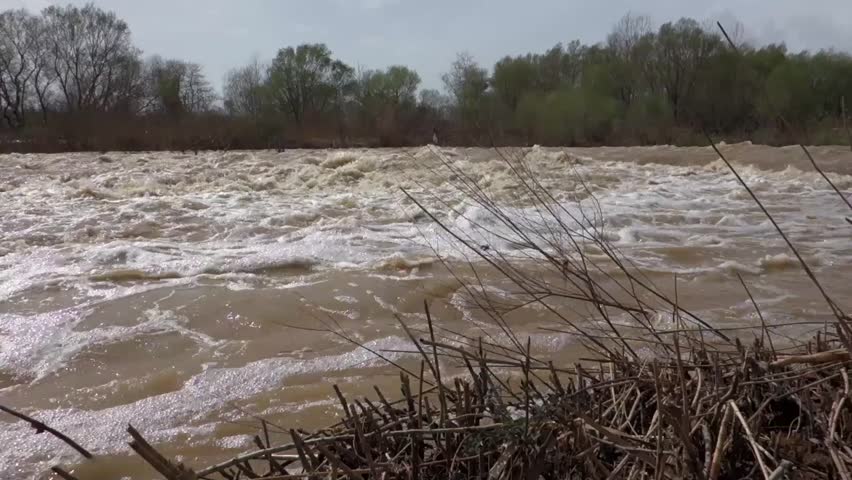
739,414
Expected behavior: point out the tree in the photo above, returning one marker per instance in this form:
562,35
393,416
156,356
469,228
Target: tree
639,85
244,91
831,78
681,50
401,85
467,83
196,94
341,87
164,88
395,86
512,78
178,87
89,48
725,93
308,80
19,63
43,77
561,66
627,53
130,94
386,98
789,93
431,99
627,34
570,115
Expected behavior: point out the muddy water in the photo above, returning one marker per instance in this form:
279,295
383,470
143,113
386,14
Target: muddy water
182,293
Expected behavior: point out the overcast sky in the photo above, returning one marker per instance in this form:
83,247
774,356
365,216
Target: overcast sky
426,34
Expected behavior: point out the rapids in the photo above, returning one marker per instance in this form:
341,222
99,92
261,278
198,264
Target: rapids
161,289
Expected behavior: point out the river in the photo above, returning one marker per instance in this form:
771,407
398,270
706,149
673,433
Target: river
183,293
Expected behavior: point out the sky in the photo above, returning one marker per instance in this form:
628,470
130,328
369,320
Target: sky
427,34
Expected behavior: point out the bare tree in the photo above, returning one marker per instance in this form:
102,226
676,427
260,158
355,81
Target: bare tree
465,79
89,48
467,83
244,90
19,32
627,34
131,89
196,94
44,78
627,47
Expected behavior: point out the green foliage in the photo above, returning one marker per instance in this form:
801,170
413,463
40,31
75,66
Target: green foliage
567,116
646,86
512,78
386,98
394,87
468,84
306,79
640,85
177,87
166,78
788,93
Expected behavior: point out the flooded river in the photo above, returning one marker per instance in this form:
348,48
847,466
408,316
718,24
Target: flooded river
182,293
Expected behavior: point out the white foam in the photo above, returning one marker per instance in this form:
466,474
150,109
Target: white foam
343,208
164,417
35,346
346,299
77,230
338,159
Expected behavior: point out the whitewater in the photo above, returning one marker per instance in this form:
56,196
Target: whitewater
178,292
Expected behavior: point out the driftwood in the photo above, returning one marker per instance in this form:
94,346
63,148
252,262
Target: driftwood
626,421
813,359
623,421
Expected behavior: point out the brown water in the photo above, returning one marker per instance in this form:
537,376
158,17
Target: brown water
162,289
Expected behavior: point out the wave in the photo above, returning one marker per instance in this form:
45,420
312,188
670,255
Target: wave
132,275
263,266
176,411
400,262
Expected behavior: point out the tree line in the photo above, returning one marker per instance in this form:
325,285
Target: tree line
71,78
